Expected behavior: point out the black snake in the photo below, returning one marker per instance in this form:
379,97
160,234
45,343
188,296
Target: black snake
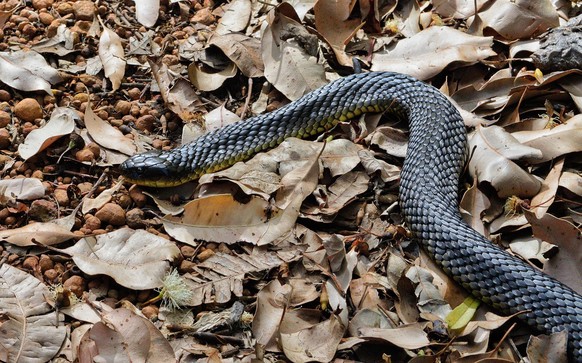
428,187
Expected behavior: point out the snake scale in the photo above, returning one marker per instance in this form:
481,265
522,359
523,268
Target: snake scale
428,187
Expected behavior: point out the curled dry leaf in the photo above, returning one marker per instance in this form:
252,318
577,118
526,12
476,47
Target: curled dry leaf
305,338
106,135
147,11
427,53
544,199
123,336
210,81
288,66
219,117
27,71
493,158
565,265
179,95
135,259
62,122
334,22
22,189
236,17
519,19
562,139
28,333
244,51
271,306
410,336
112,57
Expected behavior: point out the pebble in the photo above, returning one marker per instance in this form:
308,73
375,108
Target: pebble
203,16
84,10
46,18
76,284
92,223
206,254
138,197
84,154
111,213
187,266
150,312
28,110
51,275
123,107
4,139
5,95
62,197
45,263
42,4
145,123
42,210
188,251
5,119
134,218
30,263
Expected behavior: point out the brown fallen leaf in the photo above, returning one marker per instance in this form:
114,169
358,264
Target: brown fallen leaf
112,56
106,135
21,189
44,233
548,349
62,122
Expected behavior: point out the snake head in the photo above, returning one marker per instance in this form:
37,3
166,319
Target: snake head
149,169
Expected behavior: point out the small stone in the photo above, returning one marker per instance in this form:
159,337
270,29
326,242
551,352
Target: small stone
124,201
95,149
42,210
187,266
134,93
85,155
137,195
28,110
188,251
51,274
203,16
42,4
123,107
62,197
5,119
46,18
45,263
206,254
30,263
4,139
134,218
143,295
92,223
145,123
84,10
150,312
76,284
111,213
5,95
37,174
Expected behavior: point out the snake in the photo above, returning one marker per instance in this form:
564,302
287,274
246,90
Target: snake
428,192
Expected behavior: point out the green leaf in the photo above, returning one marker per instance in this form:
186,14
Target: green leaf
462,314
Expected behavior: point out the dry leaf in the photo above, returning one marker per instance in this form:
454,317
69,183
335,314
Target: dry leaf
47,234
288,66
493,161
147,11
236,17
427,53
306,341
28,331
138,260
410,336
106,135
221,275
550,349
519,19
99,201
112,57
544,199
219,117
62,122
27,71
244,51
272,303
123,336
210,81
22,189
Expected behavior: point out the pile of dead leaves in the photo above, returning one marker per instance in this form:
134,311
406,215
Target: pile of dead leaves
298,254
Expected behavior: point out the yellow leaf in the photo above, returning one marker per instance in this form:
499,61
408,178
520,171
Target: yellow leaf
462,314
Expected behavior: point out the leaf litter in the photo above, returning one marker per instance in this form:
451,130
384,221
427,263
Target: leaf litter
306,234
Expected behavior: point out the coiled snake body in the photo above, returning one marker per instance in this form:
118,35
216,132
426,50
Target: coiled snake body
428,187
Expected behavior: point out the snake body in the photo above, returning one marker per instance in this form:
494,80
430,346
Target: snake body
428,188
